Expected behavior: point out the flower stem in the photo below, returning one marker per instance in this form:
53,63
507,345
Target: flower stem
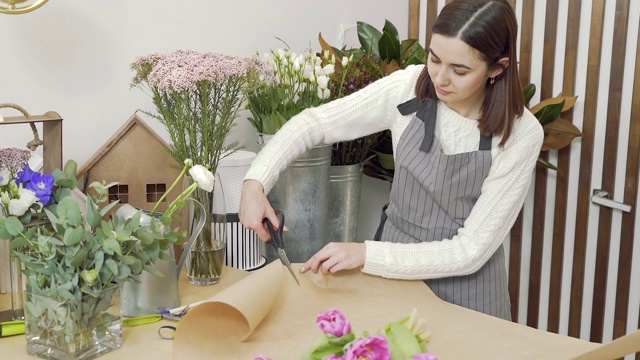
175,183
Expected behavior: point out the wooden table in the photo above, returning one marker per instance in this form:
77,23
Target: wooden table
457,333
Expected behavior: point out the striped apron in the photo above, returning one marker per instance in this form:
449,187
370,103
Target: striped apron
431,196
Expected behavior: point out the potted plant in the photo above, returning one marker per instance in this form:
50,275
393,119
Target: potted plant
291,83
74,263
380,53
197,97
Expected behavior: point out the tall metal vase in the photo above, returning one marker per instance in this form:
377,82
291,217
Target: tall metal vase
302,193
345,184
207,255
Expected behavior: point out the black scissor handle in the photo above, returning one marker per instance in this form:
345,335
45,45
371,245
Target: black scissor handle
276,235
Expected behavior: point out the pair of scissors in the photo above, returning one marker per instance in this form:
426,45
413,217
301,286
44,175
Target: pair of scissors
278,243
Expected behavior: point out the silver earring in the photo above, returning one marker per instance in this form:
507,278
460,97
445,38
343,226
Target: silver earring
492,81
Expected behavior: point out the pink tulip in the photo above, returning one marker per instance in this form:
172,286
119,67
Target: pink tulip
333,322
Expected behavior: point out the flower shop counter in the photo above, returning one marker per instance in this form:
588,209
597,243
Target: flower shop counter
266,313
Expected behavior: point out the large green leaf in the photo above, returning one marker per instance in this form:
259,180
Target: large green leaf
528,92
549,113
389,46
369,38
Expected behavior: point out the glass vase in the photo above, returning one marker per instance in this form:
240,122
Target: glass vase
207,254
75,329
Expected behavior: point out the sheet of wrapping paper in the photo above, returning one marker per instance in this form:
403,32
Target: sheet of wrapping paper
268,314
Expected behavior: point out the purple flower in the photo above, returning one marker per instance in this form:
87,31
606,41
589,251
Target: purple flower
24,176
424,356
42,185
333,322
371,348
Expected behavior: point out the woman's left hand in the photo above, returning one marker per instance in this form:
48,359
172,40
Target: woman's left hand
335,257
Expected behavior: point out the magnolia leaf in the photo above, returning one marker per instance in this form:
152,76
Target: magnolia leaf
567,101
528,92
549,113
389,67
326,47
559,134
544,162
368,37
389,46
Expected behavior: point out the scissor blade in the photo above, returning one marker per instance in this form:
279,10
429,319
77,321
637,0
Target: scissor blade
285,260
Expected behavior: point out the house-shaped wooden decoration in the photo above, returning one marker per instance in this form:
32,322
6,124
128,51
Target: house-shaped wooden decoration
136,158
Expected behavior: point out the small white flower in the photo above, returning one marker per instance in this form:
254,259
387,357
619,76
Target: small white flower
5,176
323,94
18,207
323,82
203,177
345,61
4,198
329,69
27,196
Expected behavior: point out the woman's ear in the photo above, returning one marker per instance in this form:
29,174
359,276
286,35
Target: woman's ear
499,67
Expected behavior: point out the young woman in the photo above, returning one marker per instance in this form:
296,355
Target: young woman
464,145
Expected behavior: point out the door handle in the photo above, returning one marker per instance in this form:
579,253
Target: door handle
601,197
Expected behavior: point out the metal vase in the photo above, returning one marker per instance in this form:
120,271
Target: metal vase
345,184
302,193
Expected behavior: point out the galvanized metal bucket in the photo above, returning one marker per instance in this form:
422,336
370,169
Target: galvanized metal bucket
302,193
345,184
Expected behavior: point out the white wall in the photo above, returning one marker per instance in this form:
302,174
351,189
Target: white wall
73,56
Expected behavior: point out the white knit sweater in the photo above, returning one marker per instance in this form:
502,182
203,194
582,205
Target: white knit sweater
374,109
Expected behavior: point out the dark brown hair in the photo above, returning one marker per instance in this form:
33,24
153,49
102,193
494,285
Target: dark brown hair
490,27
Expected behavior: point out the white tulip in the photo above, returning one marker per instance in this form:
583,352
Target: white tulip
345,61
203,177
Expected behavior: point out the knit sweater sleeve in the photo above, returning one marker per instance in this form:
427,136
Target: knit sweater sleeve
365,112
502,195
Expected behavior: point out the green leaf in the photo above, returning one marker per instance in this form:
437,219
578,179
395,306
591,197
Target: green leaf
69,209
99,259
369,38
123,271
80,257
93,214
112,266
549,113
73,236
70,169
12,227
544,162
150,269
528,92
389,46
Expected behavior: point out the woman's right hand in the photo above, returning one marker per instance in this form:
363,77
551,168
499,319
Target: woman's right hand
254,208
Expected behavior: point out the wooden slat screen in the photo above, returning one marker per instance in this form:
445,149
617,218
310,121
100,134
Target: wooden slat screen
563,250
